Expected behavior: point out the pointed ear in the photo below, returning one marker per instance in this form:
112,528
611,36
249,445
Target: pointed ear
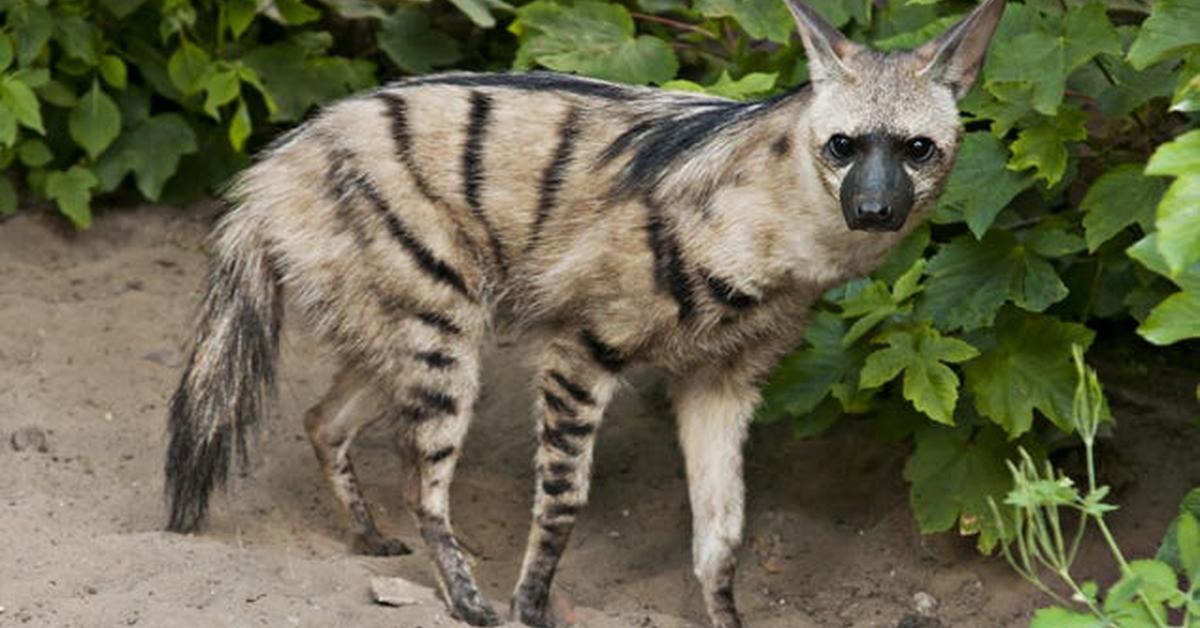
826,48
956,57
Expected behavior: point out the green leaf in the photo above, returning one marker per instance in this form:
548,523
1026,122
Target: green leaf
1034,59
1181,548
34,153
409,39
806,377
72,191
112,68
296,80
188,66
122,8
151,151
981,184
1149,578
95,122
1087,33
240,14
6,51
1030,368
356,9
77,38
953,471
8,197
1050,241
1119,198
969,281
1176,318
22,102
1180,157
58,94
592,38
749,85
8,127
295,12
220,88
1172,28
928,383
1055,617
1043,146
1178,222
31,27
239,127
915,38
479,11
1187,90
761,19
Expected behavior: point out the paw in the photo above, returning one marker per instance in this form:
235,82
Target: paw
479,613
380,546
534,617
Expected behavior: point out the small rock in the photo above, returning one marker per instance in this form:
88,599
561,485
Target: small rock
31,438
924,603
400,592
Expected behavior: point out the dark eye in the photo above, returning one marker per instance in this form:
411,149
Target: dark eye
841,147
919,149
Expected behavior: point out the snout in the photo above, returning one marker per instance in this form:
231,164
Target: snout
877,193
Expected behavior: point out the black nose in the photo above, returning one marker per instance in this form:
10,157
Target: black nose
874,212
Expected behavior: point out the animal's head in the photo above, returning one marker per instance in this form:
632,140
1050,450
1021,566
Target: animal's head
883,128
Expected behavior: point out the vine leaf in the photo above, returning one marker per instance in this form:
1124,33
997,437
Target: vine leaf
592,38
72,191
1119,198
805,377
1056,617
921,354
1178,220
981,184
1173,27
1043,146
409,39
151,151
95,121
1029,368
970,280
761,19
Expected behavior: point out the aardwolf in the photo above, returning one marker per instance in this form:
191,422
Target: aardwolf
612,225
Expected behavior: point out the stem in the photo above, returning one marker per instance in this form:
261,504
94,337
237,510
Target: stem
222,24
666,21
1113,81
1116,552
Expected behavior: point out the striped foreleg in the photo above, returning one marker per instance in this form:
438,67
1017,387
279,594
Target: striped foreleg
575,383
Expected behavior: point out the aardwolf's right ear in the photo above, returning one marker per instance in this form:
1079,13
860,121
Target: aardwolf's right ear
826,48
956,57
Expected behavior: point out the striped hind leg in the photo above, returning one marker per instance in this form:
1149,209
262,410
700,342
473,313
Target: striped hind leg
435,412
573,389
351,404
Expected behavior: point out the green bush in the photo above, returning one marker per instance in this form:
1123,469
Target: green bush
1075,202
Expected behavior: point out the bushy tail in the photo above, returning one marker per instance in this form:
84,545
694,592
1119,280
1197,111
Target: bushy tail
229,376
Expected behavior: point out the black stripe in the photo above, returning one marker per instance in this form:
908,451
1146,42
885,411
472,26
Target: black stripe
556,405
473,172
555,439
577,392
575,428
556,487
532,82
345,181
562,510
439,455
554,175
628,137
782,146
437,400
603,354
669,270
722,291
560,468
440,321
398,111
435,359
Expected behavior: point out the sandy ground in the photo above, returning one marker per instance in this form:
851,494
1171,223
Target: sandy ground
92,328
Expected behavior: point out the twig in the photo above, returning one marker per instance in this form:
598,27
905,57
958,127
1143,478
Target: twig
666,21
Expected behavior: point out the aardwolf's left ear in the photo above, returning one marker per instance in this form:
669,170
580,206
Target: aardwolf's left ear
956,57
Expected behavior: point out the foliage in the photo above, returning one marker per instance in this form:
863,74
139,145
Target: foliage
1147,588
1075,202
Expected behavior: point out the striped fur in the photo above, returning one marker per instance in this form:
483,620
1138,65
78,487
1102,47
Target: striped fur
612,225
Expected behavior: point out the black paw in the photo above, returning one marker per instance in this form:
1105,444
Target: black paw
478,614
534,617
380,546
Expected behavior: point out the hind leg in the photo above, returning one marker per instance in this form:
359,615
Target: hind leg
435,411
351,404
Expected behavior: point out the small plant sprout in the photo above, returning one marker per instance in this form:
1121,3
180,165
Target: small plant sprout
1149,593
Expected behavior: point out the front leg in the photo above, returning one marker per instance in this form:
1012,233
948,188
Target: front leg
714,411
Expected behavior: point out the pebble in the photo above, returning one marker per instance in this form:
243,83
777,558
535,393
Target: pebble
924,603
919,621
400,592
31,438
